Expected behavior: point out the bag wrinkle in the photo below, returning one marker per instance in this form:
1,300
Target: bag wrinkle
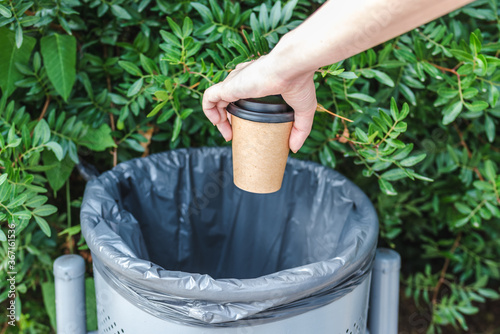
175,237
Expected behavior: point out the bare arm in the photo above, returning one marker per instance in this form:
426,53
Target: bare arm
336,31
341,29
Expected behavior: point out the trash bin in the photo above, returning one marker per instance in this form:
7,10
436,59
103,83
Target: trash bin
177,248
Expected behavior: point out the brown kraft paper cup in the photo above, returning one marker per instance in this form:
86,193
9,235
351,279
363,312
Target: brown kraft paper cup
260,149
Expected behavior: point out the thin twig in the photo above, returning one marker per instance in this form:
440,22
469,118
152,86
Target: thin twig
319,107
4,328
469,154
114,151
444,269
445,69
45,107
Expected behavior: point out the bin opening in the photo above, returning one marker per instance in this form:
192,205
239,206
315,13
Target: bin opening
174,224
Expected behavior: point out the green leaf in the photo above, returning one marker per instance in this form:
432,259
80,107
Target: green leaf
64,24
451,112
177,128
462,208
120,12
432,71
162,95
157,108
489,293
386,187
404,112
18,201
447,93
421,177
57,175
493,209
287,11
475,44
133,144
24,214
327,157
493,96
275,15
477,106
469,310
3,237
413,160
361,135
205,13
362,97
403,153
45,210
135,88
165,116
347,75
3,178
36,201
263,17
5,12
9,56
187,27
170,38
240,46
27,21
49,301
130,67
469,93
148,64
489,168
90,303
394,109
383,78
98,139
395,143
56,149
408,94
44,226
394,174
59,56
19,36
461,222
462,55
41,133
489,126
175,28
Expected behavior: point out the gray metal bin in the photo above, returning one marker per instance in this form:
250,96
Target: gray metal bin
177,248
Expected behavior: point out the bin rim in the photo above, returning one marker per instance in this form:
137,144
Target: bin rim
141,275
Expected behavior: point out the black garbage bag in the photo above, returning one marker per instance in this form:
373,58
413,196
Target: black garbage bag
172,234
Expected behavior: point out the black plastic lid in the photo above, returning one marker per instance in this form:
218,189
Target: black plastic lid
269,109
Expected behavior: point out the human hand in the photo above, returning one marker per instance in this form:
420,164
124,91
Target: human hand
260,78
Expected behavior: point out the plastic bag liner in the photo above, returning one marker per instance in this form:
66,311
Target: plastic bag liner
173,235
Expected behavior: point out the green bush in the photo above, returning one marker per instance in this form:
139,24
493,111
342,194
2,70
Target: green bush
107,81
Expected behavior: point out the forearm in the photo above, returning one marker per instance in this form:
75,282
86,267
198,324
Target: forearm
341,29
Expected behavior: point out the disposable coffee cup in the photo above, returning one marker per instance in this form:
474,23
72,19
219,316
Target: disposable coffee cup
261,130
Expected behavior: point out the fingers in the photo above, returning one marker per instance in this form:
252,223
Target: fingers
215,101
225,130
300,131
214,108
210,104
303,101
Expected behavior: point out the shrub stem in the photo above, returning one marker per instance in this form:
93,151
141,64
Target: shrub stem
444,269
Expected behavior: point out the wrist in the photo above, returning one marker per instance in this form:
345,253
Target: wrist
285,63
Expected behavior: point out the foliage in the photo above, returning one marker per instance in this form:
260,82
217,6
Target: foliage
104,82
